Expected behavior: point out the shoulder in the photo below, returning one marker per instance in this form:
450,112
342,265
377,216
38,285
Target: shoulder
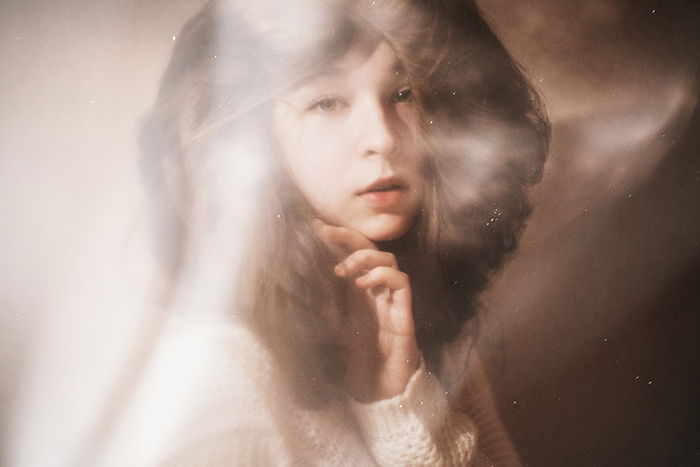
457,361
233,401
227,368
204,381
463,371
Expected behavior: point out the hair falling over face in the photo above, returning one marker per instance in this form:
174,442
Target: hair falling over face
223,189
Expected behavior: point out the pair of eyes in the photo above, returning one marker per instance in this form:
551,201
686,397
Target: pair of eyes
333,104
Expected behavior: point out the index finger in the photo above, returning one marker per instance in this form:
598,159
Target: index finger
343,240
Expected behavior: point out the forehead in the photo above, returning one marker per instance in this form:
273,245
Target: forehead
364,62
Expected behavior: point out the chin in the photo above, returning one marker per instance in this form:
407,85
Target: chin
385,228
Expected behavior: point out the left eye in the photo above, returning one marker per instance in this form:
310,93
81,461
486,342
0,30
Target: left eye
404,95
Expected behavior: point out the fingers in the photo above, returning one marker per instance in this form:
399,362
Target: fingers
384,276
341,240
391,290
370,266
362,261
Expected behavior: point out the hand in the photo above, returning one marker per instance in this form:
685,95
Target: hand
380,363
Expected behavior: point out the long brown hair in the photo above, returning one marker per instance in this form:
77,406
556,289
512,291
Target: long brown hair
485,138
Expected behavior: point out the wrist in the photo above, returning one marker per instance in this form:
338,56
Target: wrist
397,374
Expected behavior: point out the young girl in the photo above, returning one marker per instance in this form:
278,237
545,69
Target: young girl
340,179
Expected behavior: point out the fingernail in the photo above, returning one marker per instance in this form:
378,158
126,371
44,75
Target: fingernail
340,269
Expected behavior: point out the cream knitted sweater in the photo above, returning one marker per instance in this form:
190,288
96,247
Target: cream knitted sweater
239,413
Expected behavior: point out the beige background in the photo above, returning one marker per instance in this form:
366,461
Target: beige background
590,329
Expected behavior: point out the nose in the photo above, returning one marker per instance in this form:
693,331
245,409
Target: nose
379,131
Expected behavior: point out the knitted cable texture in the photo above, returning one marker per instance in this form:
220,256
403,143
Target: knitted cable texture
251,419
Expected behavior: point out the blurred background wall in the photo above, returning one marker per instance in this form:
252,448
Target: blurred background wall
595,321
590,331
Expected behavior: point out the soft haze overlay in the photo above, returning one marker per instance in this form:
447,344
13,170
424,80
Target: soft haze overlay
590,329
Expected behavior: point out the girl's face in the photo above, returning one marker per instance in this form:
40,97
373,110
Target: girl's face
348,137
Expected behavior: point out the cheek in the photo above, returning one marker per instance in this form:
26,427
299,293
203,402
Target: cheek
412,147
311,151
308,161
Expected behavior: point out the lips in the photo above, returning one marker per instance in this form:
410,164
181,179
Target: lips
384,193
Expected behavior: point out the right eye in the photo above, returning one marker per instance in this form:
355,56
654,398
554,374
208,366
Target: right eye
326,104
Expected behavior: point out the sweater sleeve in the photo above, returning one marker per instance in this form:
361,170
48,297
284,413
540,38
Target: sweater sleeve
418,427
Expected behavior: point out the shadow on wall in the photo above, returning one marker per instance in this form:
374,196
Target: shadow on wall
591,325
